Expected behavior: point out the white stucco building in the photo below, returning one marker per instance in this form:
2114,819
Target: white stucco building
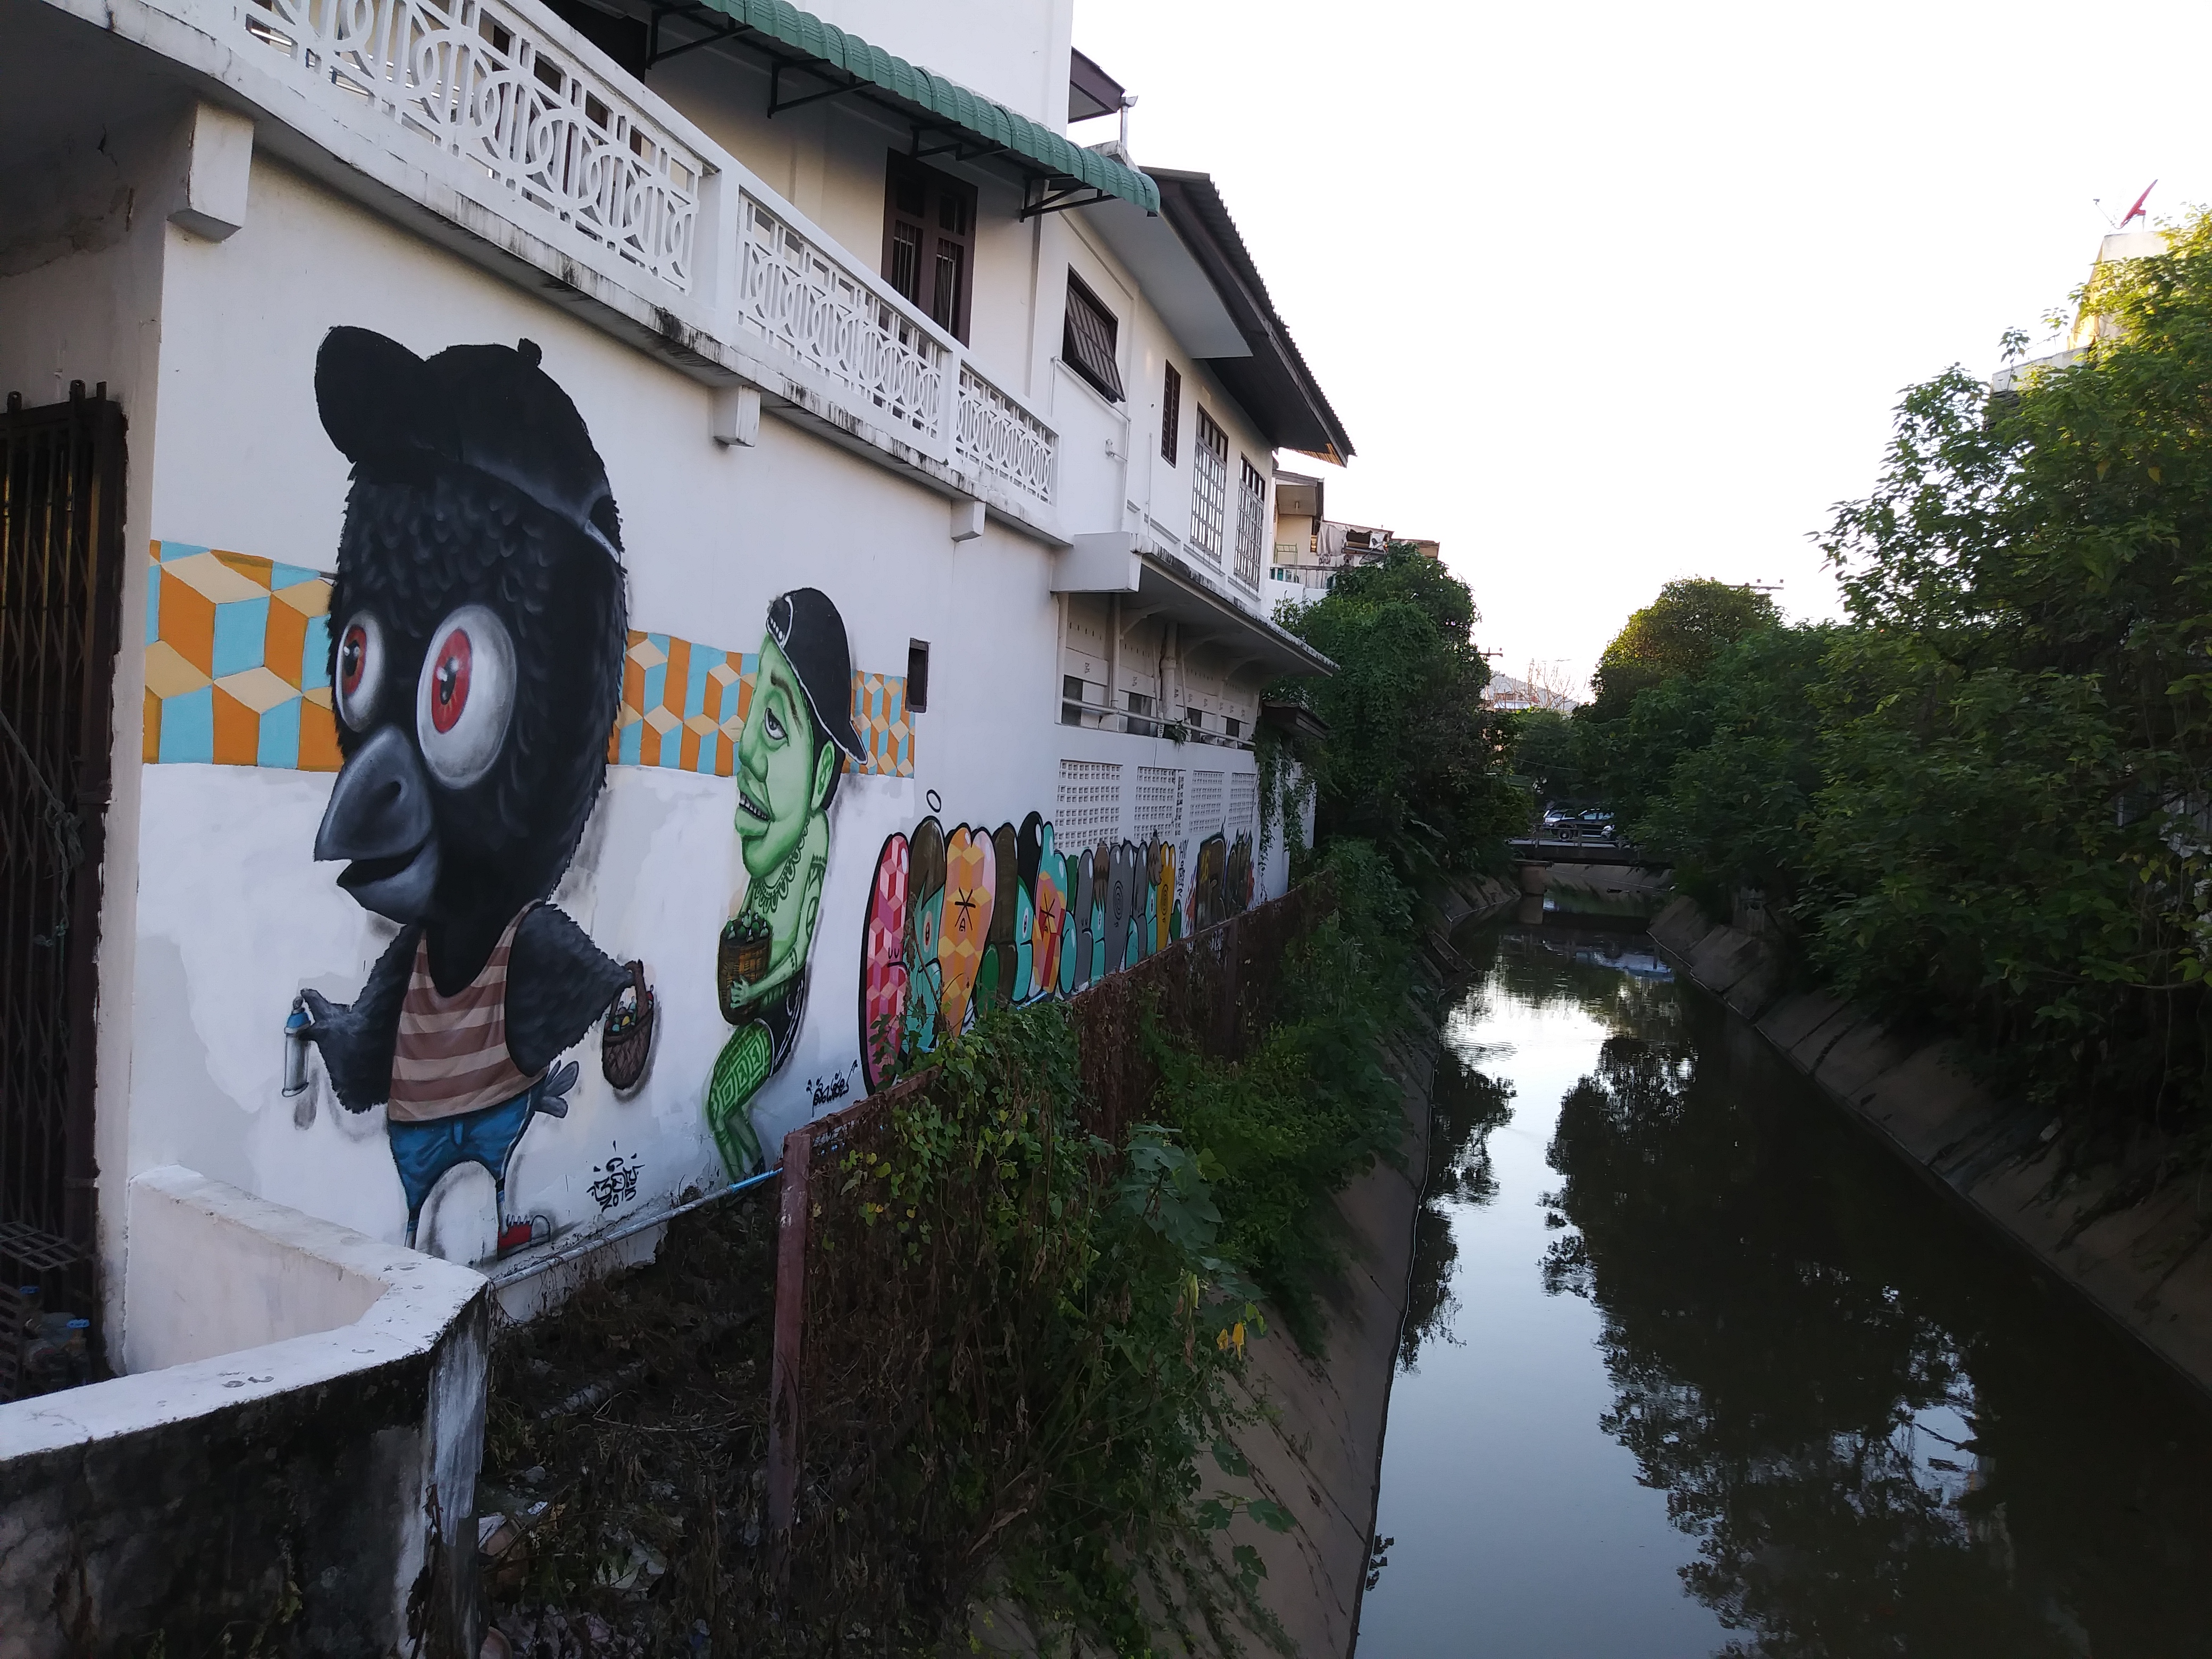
837,308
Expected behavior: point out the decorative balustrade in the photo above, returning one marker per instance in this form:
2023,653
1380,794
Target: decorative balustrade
819,307
490,89
998,435
493,103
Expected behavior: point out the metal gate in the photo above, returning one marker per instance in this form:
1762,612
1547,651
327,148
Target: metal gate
61,520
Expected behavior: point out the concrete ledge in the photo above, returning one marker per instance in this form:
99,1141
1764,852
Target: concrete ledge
2141,1267
179,1502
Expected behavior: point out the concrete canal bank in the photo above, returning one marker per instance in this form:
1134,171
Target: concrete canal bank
1317,1448
2145,1266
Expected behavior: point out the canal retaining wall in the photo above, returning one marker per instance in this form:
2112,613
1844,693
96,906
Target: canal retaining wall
1317,1446
2143,1265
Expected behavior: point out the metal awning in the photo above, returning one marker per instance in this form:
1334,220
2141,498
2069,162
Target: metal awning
1151,584
823,61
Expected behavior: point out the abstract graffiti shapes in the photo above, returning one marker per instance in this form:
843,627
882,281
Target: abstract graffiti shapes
474,667
797,735
978,919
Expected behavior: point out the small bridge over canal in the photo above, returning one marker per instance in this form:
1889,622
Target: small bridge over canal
1534,849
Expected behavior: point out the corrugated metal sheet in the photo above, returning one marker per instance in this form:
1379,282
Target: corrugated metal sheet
978,117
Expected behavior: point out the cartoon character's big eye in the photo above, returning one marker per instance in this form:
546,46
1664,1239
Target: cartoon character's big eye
466,693
361,669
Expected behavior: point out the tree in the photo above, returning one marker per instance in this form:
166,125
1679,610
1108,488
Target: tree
1544,753
1413,762
2016,833
1678,633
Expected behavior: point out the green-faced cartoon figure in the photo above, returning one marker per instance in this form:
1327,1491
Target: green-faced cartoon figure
799,729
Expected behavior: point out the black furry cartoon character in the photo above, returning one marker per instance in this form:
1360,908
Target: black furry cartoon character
475,670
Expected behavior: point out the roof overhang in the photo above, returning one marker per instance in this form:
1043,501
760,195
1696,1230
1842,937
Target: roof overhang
1151,584
1090,91
826,62
1176,284
1269,378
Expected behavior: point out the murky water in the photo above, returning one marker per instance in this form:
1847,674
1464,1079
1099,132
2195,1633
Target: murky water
1695,1368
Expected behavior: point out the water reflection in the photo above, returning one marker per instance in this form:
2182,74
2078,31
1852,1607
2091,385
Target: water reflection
1876,1430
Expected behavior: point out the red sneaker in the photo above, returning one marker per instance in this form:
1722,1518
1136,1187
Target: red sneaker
522,1231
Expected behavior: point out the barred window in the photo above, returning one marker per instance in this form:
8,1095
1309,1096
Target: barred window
1089,807
1204,803
1209,486
1171,416
1158,803
1088,338
1251,509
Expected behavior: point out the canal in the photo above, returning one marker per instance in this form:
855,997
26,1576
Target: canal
1694,1367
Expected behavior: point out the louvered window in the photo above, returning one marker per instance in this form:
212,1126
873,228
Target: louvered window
1171,416
1209,486
1088,340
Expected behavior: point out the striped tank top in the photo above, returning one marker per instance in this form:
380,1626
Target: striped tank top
451,1053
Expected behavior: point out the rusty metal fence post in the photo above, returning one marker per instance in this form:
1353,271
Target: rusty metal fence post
786,1410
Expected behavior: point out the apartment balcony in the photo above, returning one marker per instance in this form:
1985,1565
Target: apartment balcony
497,130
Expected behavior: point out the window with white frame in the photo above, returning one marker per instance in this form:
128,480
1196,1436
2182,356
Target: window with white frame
1089,807
1209,486
1251,510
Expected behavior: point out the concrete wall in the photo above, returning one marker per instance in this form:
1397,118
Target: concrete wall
2140,1266
283,1493
227,914
213,1272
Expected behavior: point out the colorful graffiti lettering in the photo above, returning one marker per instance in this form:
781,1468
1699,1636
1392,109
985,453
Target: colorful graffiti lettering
475,668
797,735
962,923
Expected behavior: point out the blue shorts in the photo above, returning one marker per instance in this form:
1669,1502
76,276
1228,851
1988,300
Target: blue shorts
425,1152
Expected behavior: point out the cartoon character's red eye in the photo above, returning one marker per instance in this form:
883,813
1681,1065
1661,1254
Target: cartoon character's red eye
465,696
360,670
449,680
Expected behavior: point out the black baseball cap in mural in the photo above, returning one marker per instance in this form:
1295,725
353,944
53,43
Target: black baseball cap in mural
490,408
807,627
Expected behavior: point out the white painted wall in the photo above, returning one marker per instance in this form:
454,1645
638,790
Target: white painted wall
1012,51
213,1271
215,912
234,917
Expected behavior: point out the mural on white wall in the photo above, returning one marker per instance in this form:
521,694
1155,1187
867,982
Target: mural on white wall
958,924
796,740
477,640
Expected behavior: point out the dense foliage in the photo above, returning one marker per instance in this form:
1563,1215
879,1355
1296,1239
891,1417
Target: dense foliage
1680,632
1985,800
1413,762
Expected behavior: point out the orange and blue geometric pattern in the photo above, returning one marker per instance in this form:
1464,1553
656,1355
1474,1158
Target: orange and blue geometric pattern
237,655
237,651
684,706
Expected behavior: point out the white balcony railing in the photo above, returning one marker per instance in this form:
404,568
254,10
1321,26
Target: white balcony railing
999,436
801,296
478,81
500,103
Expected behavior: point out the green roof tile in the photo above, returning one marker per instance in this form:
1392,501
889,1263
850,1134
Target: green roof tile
805,34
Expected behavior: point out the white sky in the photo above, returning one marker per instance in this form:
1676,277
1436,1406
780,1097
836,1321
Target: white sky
1609,293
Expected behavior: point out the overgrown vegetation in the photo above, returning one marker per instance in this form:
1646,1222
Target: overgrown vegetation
1022,1335
1984,801
1036,1272
1414,763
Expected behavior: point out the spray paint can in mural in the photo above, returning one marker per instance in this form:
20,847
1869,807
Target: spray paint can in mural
475,672
798,734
